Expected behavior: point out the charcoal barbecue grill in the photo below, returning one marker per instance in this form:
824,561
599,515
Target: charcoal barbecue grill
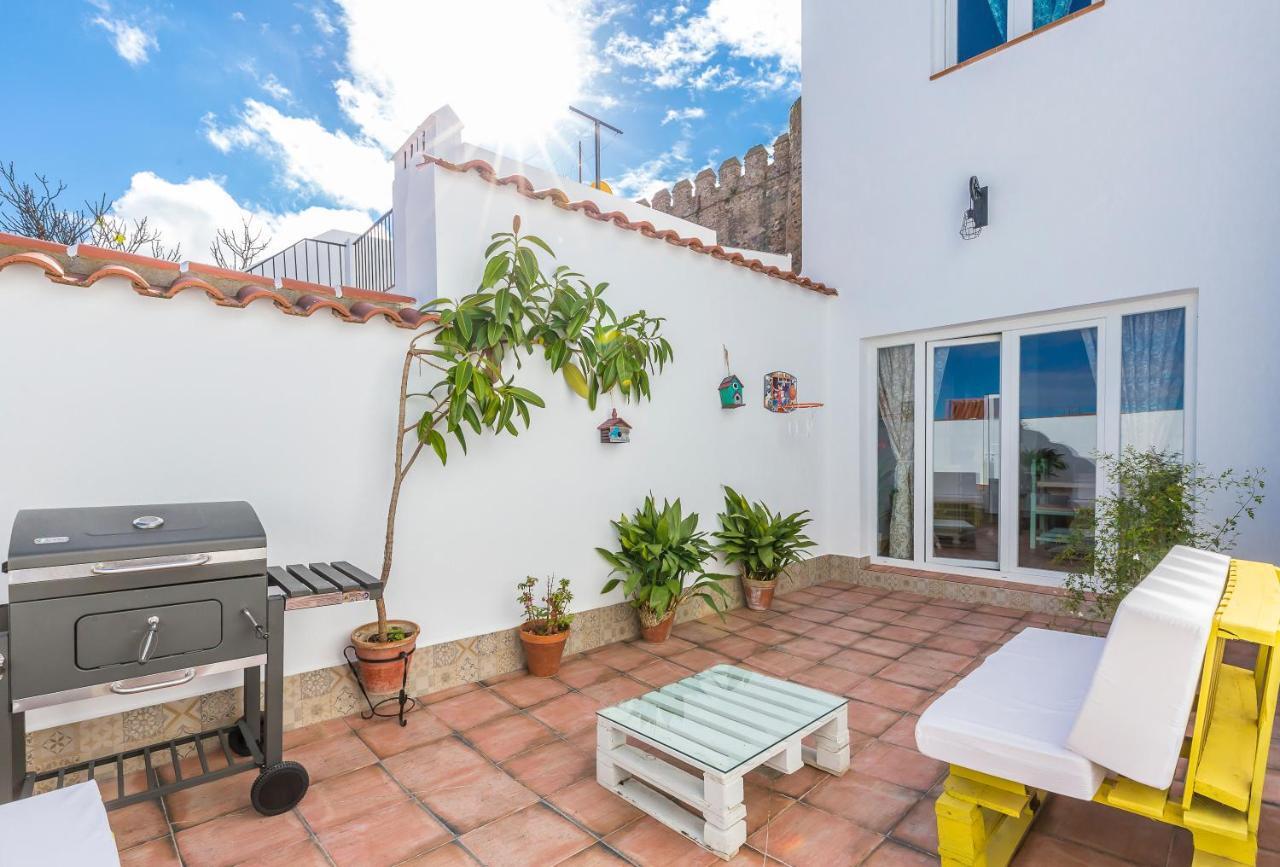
127,600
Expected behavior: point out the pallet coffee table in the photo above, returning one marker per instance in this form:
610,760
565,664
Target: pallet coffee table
724,722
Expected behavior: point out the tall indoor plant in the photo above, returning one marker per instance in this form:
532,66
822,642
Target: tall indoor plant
763,543
658,551
474,351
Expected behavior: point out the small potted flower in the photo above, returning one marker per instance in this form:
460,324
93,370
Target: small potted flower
762,542
546,626
658,550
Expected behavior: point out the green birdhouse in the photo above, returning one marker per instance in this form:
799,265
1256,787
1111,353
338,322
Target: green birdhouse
731,392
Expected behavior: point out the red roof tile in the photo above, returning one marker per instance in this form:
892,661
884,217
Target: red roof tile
588,208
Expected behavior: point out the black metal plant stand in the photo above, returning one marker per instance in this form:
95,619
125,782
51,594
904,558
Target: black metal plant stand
405,703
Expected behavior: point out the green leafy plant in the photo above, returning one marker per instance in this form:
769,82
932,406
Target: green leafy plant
658,551
551,617
763,543
1159,501
480,342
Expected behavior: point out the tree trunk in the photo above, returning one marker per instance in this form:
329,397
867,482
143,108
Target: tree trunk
388,548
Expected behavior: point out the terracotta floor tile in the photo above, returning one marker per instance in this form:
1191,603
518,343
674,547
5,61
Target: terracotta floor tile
765,635
809,648
700,659
927,658
670,647
598,855
989,620
594,807
891,854
806,837
535,835
529,690
792,785
315,732
878,614
735,646
791,623
974,633
138,823
332,756
828,678
898,632
871,719
238,837
1124,835
381,838
157,853
1040,850
660,672
854,623
940,612
425,769
894,696
920,826
619,689
914,675
777,663
302,854
338,800
858,661
903,732
898,765
386,737
816,615
898,602
442,694
699,632
883,647
650,843
508,736
834,635
963,646
623,657
458,784
584,672
924,622
449,855
470,709
870,803
568,713
190,807
552,767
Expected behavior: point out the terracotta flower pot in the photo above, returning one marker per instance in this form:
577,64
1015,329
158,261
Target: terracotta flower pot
542,652
660,630
380,676
759,594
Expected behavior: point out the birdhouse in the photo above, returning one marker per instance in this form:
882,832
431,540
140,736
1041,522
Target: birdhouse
731,392
614,430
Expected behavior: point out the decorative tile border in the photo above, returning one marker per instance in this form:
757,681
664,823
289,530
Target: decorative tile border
328,693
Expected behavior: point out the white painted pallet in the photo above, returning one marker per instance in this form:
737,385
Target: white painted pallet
725,722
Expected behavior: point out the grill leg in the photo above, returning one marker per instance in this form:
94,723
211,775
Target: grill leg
273,730
13,733
253,698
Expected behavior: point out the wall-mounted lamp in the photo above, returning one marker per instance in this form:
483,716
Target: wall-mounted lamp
976,217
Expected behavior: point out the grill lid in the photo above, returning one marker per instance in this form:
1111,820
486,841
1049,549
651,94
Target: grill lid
67,537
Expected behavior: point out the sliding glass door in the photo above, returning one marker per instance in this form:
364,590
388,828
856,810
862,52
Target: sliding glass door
963,442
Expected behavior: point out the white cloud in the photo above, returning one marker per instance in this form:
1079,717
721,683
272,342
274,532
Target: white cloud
193,210
659,173
237,16
131,42
275,89
322,21
766,31
690,113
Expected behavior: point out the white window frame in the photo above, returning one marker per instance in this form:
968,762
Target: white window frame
945,27
1107,318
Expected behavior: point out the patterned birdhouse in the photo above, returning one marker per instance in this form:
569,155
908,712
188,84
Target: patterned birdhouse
614,430
731,392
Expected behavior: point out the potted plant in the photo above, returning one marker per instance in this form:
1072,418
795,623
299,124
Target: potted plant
658,551
546,626
470,354
762,542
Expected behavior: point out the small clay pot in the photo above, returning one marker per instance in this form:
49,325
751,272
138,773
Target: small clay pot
542,653
659,631
380,670
759,594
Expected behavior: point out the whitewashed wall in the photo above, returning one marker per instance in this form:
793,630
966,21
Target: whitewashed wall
1128,153
111,398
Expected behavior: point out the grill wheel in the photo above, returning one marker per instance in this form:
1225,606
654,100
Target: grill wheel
279,788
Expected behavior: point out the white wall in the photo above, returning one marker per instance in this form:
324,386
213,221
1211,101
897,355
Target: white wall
110,398
1129,152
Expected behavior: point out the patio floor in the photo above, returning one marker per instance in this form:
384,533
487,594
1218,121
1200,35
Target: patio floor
502,772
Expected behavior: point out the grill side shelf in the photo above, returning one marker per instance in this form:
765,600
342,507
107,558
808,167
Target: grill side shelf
318,584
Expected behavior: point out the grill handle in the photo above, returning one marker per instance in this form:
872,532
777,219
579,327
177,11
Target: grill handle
119,687
148,640
150,565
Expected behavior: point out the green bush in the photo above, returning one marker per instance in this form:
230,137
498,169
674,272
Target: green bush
763,543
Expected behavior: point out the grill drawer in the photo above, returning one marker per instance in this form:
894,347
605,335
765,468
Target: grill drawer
79,641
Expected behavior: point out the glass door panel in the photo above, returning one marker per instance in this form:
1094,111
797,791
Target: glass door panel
964,470
1057,440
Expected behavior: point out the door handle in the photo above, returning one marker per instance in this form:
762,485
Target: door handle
257,627
150,565
148,640
120,686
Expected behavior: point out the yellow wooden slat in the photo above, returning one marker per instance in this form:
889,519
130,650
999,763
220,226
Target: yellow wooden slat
1137,798
1225,771
1001,800
1251,606
1206,815
988,780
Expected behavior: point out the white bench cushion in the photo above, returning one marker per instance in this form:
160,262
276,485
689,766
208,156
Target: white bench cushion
1010,716
1135,715
66,826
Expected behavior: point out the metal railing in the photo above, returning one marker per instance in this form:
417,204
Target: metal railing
310,260
373,257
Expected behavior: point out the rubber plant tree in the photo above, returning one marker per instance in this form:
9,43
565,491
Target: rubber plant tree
472,357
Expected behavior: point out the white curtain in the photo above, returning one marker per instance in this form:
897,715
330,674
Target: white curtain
1151,381
896,398
1089,336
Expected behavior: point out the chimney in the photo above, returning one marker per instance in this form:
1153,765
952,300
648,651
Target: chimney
413,201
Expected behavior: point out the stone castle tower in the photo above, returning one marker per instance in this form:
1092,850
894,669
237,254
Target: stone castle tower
754,204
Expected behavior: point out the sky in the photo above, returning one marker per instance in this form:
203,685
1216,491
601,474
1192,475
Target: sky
197,114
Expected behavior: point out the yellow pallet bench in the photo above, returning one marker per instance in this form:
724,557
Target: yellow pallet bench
1106,719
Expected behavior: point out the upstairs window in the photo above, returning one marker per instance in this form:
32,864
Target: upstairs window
968,29
980,26
1048,11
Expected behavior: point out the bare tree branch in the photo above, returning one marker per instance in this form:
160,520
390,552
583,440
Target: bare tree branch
32,209
239,249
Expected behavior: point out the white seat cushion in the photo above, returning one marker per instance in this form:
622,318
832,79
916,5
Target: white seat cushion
65,826
1135,715
1010,716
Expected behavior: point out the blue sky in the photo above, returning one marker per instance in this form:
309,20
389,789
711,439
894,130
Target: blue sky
197,113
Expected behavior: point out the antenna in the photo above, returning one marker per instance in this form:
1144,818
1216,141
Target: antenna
597,122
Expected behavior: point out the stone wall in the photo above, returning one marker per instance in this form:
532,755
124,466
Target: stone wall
754,204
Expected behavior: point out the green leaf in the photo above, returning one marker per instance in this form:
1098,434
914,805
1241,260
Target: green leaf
525,395
437,443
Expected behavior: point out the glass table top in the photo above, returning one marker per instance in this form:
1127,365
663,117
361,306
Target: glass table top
724,716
